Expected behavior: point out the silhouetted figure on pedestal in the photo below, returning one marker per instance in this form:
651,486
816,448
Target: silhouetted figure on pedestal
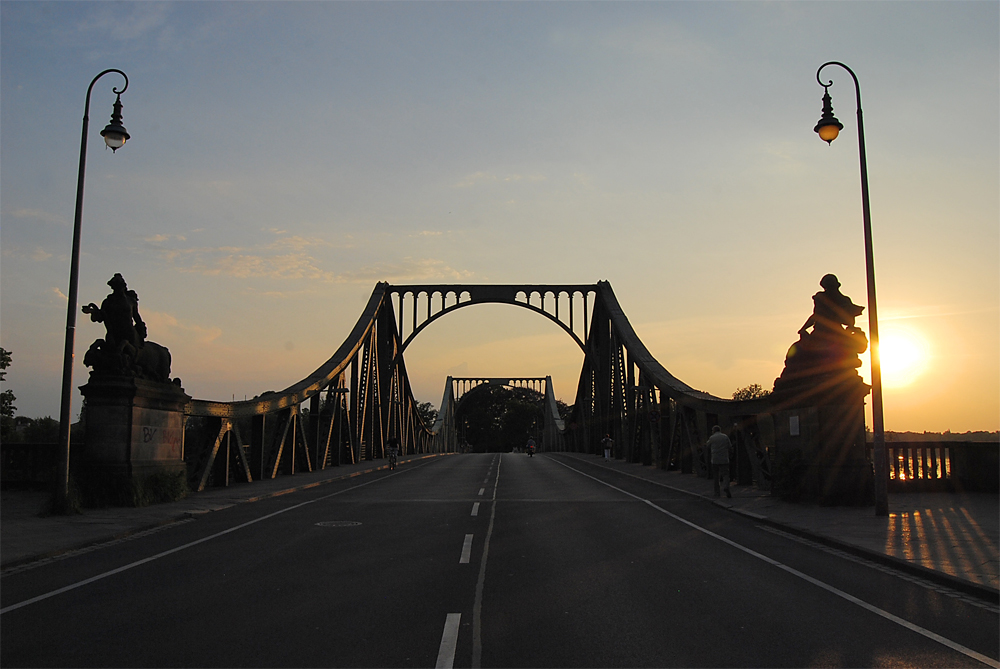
827,357
124,350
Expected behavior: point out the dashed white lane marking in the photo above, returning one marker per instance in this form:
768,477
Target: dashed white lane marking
477,607
475,509
466,550
482,490
449,641
968,652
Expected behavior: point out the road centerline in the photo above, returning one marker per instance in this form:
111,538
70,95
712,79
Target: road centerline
466,549
477,607
449,641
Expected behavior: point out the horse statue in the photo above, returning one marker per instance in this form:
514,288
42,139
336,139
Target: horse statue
124,350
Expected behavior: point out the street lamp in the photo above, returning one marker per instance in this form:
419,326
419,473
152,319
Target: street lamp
115,136
828,128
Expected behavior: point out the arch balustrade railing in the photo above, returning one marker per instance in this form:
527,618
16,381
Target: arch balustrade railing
420,305
351,405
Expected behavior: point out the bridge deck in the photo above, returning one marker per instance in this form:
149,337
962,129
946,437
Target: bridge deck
957,531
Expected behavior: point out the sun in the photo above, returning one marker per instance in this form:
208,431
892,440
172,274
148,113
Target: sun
904,353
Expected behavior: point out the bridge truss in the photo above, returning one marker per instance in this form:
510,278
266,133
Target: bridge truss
348,408
456,389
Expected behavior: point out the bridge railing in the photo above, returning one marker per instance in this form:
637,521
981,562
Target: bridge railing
653,417
553,426
345,411
445,429
942,466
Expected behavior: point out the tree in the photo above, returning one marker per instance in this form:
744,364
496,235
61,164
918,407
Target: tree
428,413
7,399
42,431
496,418
752,392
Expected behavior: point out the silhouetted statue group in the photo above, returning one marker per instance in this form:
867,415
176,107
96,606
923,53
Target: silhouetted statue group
827,357
124,350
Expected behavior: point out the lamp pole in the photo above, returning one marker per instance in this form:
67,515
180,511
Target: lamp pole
828,128
115,137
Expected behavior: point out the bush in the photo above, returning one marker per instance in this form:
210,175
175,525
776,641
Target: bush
161,487
156,488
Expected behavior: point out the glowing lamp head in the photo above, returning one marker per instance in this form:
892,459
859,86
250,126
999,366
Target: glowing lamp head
829,132
114,133
828,127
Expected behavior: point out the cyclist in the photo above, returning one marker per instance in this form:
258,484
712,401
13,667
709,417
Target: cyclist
392,451
530,447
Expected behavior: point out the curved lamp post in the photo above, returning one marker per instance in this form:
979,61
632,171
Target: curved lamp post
828,128
115,136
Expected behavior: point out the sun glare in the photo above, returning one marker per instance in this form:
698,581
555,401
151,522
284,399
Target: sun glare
905,355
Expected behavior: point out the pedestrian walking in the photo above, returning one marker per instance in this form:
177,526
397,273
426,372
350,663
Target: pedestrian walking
609,445
719,446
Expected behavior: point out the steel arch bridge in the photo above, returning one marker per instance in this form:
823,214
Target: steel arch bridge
353,403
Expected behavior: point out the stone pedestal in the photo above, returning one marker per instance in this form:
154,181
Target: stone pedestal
822,445
134,427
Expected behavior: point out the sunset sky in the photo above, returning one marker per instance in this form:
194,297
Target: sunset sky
284,157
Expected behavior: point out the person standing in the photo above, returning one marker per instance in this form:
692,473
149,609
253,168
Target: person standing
720,446
609,445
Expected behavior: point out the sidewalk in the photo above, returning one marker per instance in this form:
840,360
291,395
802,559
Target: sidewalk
951,538
27,537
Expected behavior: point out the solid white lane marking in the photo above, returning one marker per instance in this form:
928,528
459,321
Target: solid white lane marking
482,490
466,550
477,607
80,584
979,657
449,642
475,509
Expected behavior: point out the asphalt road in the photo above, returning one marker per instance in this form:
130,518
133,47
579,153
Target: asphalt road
481,560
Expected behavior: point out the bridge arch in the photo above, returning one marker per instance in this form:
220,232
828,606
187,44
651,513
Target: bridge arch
523,296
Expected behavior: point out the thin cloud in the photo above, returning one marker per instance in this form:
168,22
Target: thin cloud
37,215
164,327
478,178
127,21
407,271
159,239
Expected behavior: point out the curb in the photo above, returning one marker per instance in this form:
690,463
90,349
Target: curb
193,514
38,557
962,585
